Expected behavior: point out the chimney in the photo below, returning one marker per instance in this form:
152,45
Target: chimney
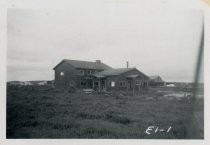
98,61
127,64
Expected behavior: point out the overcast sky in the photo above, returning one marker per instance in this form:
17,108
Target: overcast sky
161,43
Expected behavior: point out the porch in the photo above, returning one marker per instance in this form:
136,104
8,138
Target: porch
102,83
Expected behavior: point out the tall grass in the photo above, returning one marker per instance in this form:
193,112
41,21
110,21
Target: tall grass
35,113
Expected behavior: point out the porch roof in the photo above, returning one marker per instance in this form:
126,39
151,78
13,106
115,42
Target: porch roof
115,71
132,76
98,75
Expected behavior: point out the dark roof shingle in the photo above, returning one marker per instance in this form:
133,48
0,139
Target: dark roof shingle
156,78
153,77
116,71
86,64
119,71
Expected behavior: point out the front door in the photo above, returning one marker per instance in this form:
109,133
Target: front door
103,84
129,84
89,83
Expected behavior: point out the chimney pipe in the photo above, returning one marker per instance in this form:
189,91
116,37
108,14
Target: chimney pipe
127,64
98,61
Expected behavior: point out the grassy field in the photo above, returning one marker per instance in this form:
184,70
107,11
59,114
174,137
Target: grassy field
49,113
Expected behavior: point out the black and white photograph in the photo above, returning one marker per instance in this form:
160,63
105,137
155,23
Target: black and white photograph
110,71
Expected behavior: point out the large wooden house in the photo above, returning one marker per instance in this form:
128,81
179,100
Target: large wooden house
98,76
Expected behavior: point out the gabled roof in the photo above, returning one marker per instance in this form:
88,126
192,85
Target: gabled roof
116,71
119,71
132,76
85,64
98,75
154,77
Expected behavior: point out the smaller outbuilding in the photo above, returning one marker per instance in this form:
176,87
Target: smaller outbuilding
156,81
127,79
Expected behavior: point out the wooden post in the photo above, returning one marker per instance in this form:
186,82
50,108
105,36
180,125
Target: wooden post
93,84
140,86
99,84
105,85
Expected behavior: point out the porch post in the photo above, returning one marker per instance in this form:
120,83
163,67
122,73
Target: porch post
99,84
105,85
93,83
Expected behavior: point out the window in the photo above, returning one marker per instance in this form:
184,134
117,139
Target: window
62,73
111,84
83,83
137,82
122,84
71,84
89,72
145,84
82,72
96,83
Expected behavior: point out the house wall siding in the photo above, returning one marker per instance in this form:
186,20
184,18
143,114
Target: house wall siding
71,76
123,77
68,77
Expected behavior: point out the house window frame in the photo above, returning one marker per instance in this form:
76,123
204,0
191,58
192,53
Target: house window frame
82,72
96,82
83,83
71,83
122,83
138,82
89,72
110,84
145,83
62,73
